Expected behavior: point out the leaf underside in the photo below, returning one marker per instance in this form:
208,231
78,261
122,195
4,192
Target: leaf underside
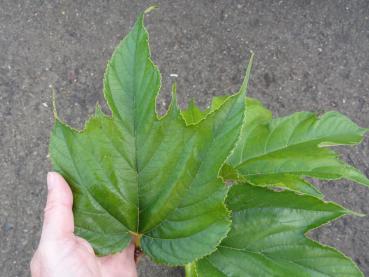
161,179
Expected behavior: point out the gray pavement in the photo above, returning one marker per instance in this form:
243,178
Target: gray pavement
310,55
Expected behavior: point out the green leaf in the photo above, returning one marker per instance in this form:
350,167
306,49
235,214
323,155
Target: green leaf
256,114
255,111
193,114
282,151
291,182
135,174
267,237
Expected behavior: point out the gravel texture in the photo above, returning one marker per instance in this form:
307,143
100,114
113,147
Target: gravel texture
310,55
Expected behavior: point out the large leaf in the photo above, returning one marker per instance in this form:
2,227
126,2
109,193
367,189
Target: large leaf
282,151
135,174
267,237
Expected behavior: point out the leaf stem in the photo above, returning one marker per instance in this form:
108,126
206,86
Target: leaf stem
138,251
137,239
190,270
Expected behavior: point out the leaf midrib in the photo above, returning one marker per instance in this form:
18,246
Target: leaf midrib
274,260
201,163
319,139
135,136
280,149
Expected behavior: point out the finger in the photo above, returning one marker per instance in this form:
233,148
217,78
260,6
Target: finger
58,215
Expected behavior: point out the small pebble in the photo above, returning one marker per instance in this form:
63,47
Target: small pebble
8,227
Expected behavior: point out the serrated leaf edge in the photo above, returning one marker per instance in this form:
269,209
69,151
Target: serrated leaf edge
243,90
344,212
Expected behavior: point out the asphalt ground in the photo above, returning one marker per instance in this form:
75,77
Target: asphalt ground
310,55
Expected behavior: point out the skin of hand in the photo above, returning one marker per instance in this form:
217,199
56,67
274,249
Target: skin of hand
61,253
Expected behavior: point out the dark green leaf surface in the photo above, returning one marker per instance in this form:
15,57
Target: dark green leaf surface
282,151
267,237
133,174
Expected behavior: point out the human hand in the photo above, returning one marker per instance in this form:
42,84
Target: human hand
61,253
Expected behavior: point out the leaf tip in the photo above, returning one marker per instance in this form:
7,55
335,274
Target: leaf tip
98,109
245,82
350,212
55,112
173,103
174,92
151,8
174,88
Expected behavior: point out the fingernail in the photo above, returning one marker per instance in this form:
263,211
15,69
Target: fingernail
50,180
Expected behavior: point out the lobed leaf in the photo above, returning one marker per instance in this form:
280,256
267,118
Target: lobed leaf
160,180
282,151
267,237
134,174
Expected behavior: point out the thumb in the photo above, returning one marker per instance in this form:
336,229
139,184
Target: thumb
58,215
